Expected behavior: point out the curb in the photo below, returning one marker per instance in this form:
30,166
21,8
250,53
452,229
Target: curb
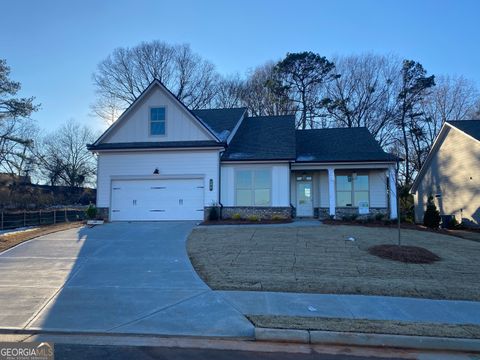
363,339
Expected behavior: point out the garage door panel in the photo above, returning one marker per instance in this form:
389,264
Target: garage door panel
176,199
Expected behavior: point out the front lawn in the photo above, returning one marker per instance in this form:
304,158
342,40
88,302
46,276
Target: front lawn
321,260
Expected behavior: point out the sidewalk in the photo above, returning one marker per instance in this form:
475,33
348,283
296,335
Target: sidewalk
354,307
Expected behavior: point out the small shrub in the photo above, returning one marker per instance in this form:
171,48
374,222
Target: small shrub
379,216
253,218
453,224
278,217
369,219
213,214
91,212
431,218
236,216
387,222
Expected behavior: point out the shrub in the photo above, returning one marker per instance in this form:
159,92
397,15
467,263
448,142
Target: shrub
91,211
379,216
431,218
453,223
253,218
236,216
213,214
278,217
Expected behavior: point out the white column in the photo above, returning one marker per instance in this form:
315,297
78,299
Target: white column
331,190
392,182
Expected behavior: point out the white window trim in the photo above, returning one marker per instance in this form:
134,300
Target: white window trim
352,190
253,187
150,120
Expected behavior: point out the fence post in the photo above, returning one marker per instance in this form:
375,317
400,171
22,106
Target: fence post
40,217
24,218
2,220
54,216
66,219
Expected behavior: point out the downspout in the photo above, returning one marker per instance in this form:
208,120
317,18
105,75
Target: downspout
220,153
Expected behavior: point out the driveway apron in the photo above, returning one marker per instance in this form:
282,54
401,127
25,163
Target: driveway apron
116,278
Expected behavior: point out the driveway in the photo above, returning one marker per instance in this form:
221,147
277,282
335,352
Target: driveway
117,278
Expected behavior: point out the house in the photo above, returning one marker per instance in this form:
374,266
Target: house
163,161
451,173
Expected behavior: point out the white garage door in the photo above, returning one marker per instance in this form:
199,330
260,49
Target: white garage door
149,200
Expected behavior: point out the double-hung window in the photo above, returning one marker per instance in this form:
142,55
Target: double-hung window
253,187
352,189
157,121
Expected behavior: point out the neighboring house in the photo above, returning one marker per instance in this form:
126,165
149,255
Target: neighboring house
451,173
162,161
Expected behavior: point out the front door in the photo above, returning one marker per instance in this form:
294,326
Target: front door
304,199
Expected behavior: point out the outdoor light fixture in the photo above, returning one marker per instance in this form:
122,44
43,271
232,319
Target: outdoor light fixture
156,172
211,184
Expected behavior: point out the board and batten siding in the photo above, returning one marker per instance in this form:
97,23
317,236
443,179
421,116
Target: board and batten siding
138,164
179,123
280,182
454,174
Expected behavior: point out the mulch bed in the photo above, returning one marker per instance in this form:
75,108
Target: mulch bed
246,222
406,254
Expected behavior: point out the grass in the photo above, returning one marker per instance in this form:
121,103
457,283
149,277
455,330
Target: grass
9,240
321,260
367,326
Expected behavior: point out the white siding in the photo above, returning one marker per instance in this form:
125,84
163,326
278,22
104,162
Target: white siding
378,189
140,164
135,127
324,190
280,182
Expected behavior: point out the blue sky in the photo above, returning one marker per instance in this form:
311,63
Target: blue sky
54,46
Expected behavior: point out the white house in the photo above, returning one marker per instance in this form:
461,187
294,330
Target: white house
162,161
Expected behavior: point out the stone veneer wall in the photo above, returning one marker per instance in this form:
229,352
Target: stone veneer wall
262,212
340,212
102,212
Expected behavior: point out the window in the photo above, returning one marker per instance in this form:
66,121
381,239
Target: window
157,121
352,189
252,187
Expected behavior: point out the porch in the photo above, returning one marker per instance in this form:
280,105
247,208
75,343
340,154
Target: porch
363,190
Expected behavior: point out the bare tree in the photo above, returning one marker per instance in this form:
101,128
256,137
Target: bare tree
231,92
63,158
365,94
453,98
124,74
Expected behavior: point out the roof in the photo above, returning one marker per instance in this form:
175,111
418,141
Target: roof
154,145
221,120
263,138
339,145
469,127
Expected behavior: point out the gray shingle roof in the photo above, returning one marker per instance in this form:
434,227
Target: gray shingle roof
263,138
154,145
470,127
220,120
339,145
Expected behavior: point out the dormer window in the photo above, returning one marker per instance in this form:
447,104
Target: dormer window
157,121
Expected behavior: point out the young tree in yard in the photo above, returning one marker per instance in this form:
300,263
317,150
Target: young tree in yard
431,217
63,157
15,125
301,76
125,73
414,87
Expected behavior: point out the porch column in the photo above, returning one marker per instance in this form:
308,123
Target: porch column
392,182
331,190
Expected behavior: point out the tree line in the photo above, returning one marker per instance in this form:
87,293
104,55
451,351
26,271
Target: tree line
401,104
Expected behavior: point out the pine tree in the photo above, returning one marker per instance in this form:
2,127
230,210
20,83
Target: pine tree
431,217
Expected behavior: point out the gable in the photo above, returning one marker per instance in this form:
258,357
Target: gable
454,156
134,124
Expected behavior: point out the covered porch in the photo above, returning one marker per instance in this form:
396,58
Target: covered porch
343,190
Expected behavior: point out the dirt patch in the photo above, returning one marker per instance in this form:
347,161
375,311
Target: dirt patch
321,259
367,326
406,254
9,240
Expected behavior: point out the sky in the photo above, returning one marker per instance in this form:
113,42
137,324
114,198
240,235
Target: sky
54,46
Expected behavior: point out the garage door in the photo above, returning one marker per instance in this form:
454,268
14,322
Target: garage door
150,200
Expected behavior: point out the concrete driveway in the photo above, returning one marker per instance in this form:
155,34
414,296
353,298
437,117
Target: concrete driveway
117,278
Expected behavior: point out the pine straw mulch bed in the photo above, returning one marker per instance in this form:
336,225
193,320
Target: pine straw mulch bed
9,240
405,254
246,222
